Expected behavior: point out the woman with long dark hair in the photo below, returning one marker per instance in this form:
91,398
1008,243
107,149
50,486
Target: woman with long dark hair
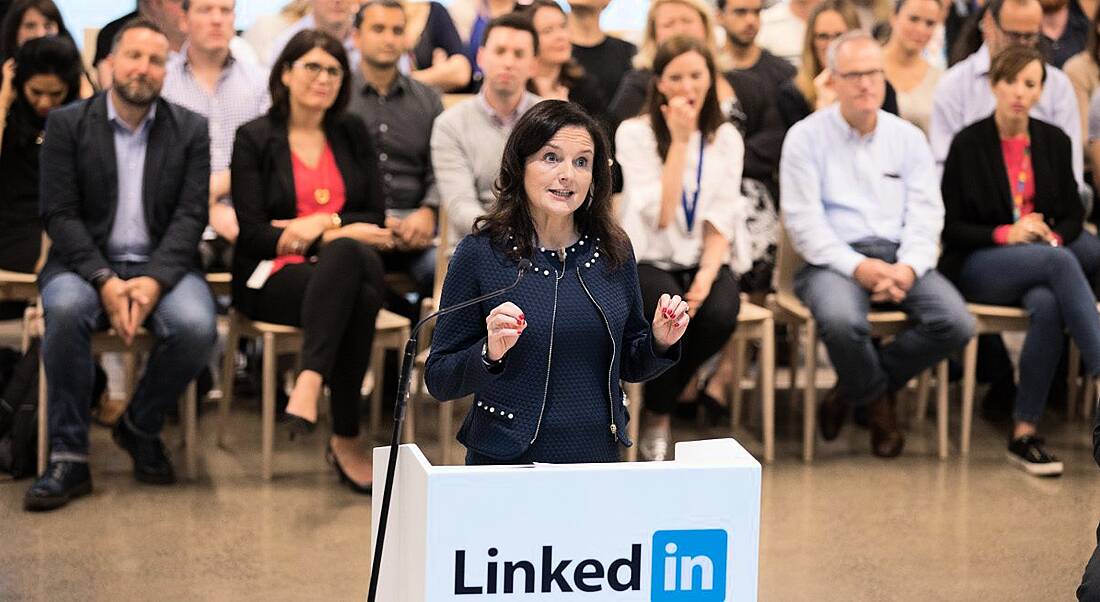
31,19
47,76
544,360
310,206
685,214
559,75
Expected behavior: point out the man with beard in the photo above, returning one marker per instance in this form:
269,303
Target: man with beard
124,184
399,112
1065,29
468,138
741,20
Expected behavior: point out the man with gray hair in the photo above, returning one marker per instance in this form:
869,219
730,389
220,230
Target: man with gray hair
862,206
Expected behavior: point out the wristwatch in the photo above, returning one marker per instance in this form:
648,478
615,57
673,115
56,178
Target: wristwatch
336,221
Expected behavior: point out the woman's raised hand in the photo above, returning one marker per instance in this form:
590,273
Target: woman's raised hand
504,324
670,321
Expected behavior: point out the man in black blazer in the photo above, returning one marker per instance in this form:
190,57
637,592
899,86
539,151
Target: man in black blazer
124,185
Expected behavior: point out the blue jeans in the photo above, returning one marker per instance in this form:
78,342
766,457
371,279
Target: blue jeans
183,322
941,324
1050,284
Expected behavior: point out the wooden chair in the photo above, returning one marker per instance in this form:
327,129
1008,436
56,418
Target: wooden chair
109,342
391,331
788,309
754,323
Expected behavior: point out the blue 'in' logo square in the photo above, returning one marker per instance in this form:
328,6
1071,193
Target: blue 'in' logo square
689,566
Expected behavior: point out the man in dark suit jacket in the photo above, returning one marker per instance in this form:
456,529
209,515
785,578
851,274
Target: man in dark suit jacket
124,186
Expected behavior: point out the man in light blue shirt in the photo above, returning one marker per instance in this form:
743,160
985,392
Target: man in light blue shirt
963,95
861,204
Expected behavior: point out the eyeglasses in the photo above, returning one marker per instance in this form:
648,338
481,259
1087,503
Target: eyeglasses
855,76
315,69
1020,38
826,37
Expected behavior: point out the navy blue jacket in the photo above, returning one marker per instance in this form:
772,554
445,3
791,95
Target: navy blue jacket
508,405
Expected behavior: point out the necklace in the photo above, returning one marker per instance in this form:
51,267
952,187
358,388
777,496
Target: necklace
323,194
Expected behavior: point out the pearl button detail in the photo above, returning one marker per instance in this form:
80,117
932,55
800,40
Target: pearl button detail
511,416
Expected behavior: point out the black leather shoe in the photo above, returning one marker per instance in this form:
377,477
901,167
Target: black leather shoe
831,415
344,478
297,426
887,441
151,463
63,482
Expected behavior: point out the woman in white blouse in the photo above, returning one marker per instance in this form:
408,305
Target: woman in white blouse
683,210
911,29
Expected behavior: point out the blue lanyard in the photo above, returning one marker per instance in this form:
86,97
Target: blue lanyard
689,208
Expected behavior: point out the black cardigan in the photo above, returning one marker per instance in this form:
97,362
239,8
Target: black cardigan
263,189
976,195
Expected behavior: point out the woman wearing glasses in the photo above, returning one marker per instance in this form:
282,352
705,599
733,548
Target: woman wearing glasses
309,201
810,89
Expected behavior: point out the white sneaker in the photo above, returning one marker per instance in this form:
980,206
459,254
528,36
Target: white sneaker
654,444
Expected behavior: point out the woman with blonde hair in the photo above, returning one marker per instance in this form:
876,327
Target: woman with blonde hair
811,88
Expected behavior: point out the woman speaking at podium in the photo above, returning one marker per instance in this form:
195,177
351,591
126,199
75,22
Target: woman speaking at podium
543,361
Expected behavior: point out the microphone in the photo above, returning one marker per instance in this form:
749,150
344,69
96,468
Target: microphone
399,415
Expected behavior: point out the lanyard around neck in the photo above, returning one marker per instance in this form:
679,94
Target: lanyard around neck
689,208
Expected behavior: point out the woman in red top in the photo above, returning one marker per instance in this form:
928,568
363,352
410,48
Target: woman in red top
1012,236
307,193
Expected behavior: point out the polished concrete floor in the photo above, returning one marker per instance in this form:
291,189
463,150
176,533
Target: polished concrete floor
848,527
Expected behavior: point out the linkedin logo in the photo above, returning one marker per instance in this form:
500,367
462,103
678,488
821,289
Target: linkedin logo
689,566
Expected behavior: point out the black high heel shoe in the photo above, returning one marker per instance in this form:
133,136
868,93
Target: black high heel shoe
716,413
330,456
296,425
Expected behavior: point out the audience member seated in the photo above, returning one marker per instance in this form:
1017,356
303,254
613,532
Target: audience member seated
1083,70
308,197
206,77
47,76
123,255
964,96
1065,29
32,19
911,75
782,27
1089,590
471,18
605,58
468,138
684,215
861,204
265,29
558,75
814,87
435,51
1013,236
334,17
740,19
399,112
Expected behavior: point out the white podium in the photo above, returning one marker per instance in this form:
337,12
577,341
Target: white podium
687,530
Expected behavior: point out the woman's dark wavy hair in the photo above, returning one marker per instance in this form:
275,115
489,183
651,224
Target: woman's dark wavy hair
510,213
299,45
710,115
9,28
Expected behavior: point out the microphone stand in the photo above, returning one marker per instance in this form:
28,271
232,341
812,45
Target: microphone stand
399,417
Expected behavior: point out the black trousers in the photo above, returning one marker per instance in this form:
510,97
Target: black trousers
335,302
1089,590
706,333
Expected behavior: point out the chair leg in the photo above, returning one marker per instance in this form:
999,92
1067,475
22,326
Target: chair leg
229,370
377,365
767,388
924,383
1072,382
409,430
446,425
635,395
942,387
736,394
1089,405
970,367
43,418
809,399
188,410
270,381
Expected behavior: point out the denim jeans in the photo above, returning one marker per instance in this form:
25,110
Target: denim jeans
183,323
1050,284
941,324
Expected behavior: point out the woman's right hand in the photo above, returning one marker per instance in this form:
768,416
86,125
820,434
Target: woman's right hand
1028,229
7,89
504,325
682,118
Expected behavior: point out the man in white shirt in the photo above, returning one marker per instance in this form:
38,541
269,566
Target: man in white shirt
782,27
862,206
